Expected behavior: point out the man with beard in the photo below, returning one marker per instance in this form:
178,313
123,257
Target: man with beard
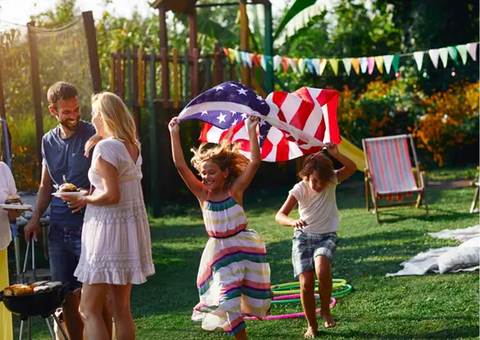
64,160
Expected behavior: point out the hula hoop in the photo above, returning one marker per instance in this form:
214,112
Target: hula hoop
296,297
287,316
288,285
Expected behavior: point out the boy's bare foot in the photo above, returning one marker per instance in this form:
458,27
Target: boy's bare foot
310,333
329,322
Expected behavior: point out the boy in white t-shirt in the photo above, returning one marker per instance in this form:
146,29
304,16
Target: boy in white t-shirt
315,237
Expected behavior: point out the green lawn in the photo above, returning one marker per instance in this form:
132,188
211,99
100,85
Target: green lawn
425,307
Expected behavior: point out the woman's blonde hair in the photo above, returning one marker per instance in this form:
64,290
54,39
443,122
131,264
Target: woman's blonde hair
225,155
117,120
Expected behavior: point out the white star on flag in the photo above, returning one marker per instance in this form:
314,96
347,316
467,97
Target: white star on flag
259,97
234,85
242,91
204,113
233,113
221,118
235,122
219,87
262,122
244,116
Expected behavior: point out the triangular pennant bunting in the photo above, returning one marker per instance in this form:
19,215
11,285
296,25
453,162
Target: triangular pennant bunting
443,55
347,63
396,62
285,64
301,65
387,59
418,56
434,57
379,63
356,65
370,64
472,50
363,64
250,59
334,64
316,65
276,62
293,64
462,50
310,67
323,64
452,52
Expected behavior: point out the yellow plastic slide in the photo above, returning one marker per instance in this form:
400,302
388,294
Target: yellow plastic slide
352,152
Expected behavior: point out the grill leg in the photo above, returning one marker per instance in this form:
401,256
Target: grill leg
59,326
50,329
29,328
21,330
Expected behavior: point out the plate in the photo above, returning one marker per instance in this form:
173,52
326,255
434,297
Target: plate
16,206
71,193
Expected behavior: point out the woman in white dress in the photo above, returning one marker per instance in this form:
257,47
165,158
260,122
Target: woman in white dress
116,246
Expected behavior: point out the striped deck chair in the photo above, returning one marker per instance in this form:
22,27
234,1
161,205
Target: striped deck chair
389,173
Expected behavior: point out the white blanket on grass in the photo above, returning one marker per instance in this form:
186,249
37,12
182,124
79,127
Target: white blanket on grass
427,262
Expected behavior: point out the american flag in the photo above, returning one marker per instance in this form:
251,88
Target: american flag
291,124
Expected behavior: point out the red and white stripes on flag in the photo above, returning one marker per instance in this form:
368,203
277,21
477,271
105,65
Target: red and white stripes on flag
301,123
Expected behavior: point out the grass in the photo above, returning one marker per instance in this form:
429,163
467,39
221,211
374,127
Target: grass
424,307
453,174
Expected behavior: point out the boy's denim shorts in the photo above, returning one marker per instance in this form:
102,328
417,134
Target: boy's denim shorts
307,246
64,247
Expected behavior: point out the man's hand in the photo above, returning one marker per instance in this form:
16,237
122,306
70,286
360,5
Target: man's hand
33,226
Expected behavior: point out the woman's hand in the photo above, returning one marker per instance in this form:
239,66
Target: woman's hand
91,143
14,213
174,125
298,224
76,203
252,123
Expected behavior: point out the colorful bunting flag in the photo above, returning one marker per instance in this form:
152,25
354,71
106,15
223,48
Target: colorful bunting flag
418,56
443,55
347,63
250,59
285,64
363,64
452,52
301,65
276,62
433,53
387,59
462,50
370,64
334,64
396,62
310,68
323,64
472,50
356,65
379,63
293,64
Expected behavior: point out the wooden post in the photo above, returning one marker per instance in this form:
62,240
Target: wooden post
141,78
37,99
119,73
208,73
91,34
186,73
153,140
244,40
128,83
195,57
165,74
136,107
269,87
112,73
175,77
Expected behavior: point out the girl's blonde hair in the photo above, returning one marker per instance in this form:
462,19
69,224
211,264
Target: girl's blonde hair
225,155
117,120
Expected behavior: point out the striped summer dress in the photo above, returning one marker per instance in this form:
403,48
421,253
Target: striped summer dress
234,276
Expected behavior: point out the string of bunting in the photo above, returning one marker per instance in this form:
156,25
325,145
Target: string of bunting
383,63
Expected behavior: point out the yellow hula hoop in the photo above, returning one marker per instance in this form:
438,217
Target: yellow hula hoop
287,288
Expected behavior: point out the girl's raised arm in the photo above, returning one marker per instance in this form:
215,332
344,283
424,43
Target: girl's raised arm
242,182
195,186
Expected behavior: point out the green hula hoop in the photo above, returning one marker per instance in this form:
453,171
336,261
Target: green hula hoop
336,294
289,285
288,291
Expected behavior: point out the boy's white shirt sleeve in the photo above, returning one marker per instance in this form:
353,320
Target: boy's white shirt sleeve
297,192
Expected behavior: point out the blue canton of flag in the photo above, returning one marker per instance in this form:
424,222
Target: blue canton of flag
227,105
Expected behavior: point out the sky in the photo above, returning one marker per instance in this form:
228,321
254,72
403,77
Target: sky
19,11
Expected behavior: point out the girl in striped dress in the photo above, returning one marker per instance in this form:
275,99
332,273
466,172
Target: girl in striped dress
234,276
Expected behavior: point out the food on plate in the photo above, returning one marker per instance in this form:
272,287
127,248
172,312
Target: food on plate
67,187
14,200
37,287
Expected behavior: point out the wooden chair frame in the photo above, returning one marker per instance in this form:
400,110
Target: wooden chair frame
419,177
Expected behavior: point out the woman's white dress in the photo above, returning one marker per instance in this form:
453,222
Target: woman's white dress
116,244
